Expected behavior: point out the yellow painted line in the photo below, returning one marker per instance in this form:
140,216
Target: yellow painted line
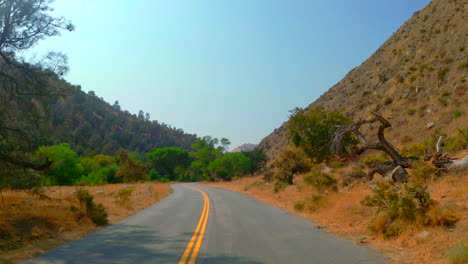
197,237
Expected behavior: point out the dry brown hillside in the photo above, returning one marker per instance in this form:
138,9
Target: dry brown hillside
417,79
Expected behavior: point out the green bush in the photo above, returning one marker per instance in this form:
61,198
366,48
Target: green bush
398,206
357,173
458,254
373,160
416,149
279,186
314,202
321,181
312,129
335,164
96,212
388,101
457,113
299,206
290,162
124,194
410,112
422,173
443,101
441,74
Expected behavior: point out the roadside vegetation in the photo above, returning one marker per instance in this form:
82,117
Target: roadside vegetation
357,193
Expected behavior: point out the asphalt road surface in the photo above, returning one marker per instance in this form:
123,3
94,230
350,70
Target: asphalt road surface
211,225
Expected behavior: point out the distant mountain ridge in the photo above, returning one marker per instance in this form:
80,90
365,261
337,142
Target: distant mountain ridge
417,79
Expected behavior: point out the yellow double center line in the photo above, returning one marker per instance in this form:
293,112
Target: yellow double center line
197,238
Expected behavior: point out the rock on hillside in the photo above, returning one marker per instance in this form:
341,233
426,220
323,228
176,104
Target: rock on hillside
245,148
417,79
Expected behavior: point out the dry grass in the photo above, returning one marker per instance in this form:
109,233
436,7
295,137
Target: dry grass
29,225
346,216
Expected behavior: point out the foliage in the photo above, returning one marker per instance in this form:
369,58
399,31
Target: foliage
289,162
451,144
458,254
168,162
131,170
398,206
124,194
255,183
257,158
321,181
373,160
312,129
457,113
416,149
299,206
29,86
96,212
228,166
422,173
65,168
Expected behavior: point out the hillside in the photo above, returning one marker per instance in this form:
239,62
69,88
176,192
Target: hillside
417,79
89,123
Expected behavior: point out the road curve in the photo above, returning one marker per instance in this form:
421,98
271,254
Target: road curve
238,229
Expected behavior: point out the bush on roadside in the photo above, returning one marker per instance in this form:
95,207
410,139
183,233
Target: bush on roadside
321,181
458,254
123,195
95,212
299,206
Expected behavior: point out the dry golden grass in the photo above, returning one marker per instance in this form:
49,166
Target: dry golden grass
30,225
343,212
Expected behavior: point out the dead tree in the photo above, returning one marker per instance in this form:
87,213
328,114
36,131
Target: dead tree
396,168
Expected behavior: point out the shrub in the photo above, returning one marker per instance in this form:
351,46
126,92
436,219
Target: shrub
335,164
416,149
321,181
443,101
447,60
441,74
422,173
458,254
314,202
445,93
124,194
388,101
312,129
255,183
410,112
456,113
373,161
357,173
442,216
299,206
464,65
96,212
279,186
290,162
400,206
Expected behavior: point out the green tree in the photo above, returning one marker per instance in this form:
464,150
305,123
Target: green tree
229,166
131,170
170,162
257,158
311,130
65,168
27,86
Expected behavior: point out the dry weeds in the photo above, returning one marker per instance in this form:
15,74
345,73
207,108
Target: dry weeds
343,213
29,225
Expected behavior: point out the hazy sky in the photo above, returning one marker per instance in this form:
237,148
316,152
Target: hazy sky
222,68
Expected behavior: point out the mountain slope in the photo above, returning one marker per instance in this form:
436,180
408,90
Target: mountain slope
417,79
90,124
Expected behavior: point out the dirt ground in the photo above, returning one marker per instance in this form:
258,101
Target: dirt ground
344,215
31,224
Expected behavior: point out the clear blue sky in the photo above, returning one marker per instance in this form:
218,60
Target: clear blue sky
222,68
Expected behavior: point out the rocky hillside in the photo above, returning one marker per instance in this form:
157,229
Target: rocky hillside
416,79
244,148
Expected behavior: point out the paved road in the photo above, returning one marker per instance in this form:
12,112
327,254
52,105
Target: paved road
238,229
